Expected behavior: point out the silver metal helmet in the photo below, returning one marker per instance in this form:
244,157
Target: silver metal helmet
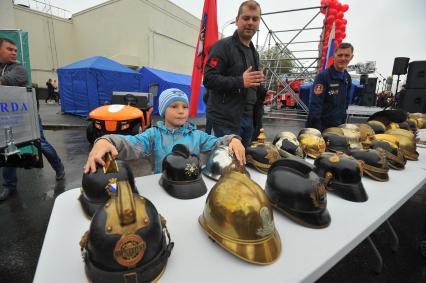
288,145
218,160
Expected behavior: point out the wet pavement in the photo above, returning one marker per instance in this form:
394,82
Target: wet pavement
25,215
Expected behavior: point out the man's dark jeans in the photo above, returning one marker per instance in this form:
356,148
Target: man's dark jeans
245,131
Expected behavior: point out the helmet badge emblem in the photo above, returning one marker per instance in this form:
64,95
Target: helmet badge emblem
191,169
129,250
267,223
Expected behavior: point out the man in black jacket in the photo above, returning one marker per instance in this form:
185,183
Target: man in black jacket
233,78
14,74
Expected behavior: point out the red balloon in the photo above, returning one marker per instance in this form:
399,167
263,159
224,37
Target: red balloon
332,11
344,35
339,15
339,22
345,7
345,21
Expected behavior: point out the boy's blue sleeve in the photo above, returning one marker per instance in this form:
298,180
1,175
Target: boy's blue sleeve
133,147
207,142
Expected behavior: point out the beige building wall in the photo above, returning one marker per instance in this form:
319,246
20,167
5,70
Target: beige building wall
136,33
50,42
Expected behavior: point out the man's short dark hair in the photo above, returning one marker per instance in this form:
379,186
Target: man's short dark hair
251,4
345,45
3,39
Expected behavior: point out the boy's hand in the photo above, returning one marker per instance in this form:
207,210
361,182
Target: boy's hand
237,148
100,148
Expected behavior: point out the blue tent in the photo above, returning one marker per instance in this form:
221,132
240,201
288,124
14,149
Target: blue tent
88,84
306,91
164,80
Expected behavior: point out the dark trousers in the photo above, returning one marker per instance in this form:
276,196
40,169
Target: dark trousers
245,131
50,96
209,126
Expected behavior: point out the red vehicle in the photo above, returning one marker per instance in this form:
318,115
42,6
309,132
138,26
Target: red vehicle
286,99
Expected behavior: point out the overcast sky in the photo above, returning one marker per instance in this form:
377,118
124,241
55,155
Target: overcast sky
380,30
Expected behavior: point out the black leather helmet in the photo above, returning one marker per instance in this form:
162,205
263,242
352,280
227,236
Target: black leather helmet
343,175
335,143
296,190
127,241
389,116
261,154
98,187
374,163
377,126
182,174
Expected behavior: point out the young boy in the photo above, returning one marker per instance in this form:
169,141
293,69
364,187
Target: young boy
159,140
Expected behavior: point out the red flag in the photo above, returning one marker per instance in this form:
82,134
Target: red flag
207,36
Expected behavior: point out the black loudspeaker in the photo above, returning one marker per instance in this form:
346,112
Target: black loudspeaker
368,99
371,85
413,100
400,65
416,77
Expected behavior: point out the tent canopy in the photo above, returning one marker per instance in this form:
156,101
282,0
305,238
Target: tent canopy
88,84
162,80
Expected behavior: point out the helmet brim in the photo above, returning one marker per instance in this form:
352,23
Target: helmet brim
261,252
315,220
184,190
350,192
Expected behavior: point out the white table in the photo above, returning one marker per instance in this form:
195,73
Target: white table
306,253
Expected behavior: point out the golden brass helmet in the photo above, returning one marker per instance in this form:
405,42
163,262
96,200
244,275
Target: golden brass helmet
393,125
334,130
402,132
387,138
366,133
407,143
394,155
238,216
312,144
352,134
419,118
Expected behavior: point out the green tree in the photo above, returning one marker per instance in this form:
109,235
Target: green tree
277,59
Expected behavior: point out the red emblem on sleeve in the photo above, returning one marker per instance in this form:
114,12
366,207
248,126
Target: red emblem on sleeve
318,89
213,62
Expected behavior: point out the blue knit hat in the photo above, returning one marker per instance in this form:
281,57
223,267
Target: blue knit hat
169,96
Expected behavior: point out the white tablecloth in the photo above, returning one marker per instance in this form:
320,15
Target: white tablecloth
306,253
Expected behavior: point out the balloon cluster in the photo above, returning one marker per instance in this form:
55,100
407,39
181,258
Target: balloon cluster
335,14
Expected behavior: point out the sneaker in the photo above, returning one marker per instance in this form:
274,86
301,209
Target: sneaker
5,193
60,174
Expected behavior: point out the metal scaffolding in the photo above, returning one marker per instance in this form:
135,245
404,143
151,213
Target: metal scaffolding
282,61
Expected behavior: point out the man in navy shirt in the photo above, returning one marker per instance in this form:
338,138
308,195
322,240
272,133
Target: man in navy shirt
330,95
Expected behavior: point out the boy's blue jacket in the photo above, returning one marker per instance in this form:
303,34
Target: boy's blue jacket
158,141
